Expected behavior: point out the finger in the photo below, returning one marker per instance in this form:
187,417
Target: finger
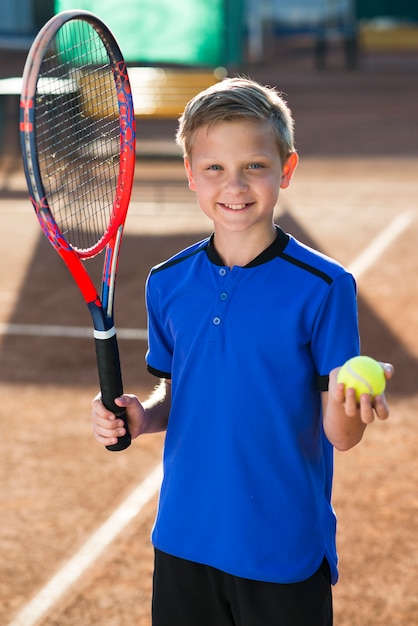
108,423
105,441
366,409
98,409
103,432
351,406
340,393
388,369
125,400
381,407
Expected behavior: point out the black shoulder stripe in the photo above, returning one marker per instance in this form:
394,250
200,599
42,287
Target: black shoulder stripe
178,259
323,382
308,268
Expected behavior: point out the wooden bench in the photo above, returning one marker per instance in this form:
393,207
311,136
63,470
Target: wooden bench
157,93
163,93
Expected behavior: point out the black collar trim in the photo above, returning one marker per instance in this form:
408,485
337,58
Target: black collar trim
274,249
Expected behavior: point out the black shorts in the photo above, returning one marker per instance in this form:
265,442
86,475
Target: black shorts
190,594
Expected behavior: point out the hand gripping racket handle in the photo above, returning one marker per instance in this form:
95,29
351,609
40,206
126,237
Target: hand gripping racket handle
110,379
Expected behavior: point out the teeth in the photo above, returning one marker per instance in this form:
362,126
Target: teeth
235,207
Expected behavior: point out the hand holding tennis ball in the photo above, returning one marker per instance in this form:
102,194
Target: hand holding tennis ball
364,375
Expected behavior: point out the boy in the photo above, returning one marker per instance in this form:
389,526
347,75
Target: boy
246,328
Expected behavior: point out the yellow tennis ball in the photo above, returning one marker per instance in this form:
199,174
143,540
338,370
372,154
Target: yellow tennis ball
363,374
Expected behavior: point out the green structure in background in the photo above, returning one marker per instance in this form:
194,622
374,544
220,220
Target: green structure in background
186,32
403,10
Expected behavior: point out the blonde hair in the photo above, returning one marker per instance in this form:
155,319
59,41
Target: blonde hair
237,99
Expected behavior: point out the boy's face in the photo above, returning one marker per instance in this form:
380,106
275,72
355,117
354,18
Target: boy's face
236,171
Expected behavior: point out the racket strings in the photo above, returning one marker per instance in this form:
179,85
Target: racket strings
78,133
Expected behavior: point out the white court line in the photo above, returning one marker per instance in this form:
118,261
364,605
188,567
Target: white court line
381,243
91,550
101,539
77,332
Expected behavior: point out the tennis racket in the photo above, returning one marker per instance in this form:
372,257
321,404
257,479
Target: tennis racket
77,131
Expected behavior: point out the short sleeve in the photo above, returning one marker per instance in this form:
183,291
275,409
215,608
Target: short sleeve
336,333
160,349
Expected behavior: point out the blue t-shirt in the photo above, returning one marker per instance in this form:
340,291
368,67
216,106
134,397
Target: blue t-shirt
247,467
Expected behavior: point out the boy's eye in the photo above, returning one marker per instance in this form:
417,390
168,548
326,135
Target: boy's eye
214,167
255,166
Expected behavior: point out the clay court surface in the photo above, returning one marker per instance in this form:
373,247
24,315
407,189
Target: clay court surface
354,196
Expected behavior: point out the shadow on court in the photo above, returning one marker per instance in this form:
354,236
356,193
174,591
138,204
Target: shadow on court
49,297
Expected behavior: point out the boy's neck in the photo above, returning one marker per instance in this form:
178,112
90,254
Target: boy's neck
239,249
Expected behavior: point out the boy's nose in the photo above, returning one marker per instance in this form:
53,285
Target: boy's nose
237,182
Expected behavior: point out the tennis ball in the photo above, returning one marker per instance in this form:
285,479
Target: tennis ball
363,374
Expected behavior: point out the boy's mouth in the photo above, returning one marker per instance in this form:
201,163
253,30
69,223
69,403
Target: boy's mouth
235,207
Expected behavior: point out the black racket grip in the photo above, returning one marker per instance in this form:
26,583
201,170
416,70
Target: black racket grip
110,378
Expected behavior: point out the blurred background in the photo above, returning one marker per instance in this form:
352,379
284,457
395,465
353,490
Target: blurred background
229,33
177,48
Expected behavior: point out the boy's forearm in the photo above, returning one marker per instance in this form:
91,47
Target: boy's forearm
343,431
157,408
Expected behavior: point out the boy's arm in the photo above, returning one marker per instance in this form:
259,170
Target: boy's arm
157,408
344,420
148,417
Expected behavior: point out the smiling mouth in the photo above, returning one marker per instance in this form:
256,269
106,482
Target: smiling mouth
235,207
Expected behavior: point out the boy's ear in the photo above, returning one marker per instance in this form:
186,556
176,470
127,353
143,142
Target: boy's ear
189,173
288,170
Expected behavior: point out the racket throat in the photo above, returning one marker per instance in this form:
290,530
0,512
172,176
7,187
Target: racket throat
109,273
102,323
